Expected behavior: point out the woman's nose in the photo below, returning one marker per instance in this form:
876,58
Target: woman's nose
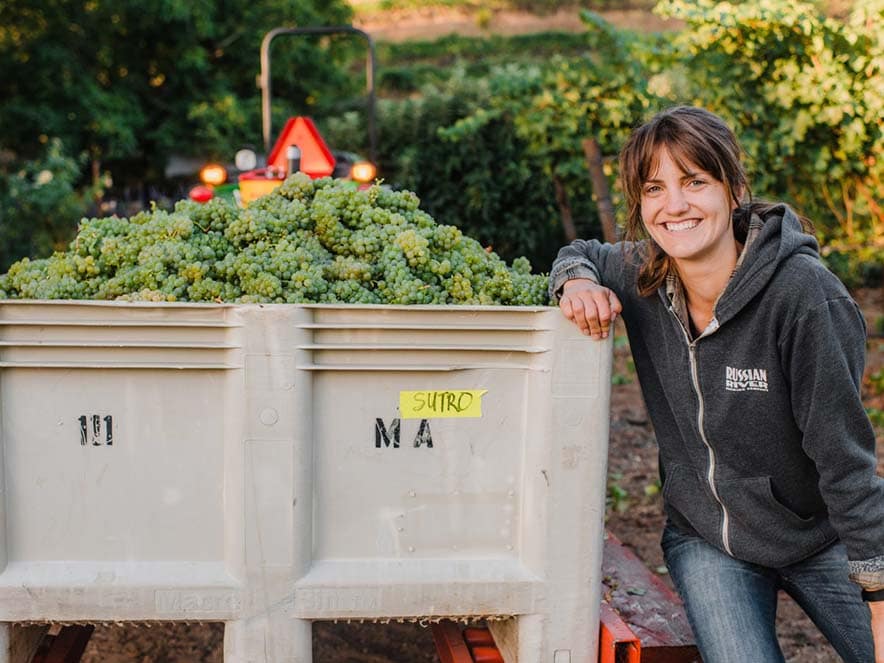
676,201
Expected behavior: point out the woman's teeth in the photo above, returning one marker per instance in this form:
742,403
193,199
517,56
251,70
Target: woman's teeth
681,225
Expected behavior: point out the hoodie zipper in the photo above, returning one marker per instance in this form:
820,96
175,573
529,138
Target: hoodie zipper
695,381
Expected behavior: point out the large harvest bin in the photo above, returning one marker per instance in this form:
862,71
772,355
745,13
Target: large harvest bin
267,466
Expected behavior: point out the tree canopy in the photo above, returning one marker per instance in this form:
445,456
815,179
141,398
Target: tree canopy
130,82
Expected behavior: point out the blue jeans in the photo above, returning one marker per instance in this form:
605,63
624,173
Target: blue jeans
732,605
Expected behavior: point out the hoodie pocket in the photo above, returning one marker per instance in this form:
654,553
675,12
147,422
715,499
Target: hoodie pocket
754,498
688,494
766,531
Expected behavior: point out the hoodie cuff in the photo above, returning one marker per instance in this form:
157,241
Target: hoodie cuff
868,573
567,270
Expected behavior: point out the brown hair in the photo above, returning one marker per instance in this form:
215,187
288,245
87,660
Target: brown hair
691,135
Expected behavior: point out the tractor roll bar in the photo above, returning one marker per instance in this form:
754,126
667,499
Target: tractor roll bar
264,80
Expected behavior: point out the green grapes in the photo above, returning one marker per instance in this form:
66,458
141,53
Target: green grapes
308,241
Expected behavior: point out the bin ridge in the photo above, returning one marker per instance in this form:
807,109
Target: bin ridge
428,338
102,335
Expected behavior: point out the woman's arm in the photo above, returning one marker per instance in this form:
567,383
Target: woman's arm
590,278
823,355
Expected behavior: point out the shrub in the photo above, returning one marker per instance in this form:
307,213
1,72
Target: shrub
40,203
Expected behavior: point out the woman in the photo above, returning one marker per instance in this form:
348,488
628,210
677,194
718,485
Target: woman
750,356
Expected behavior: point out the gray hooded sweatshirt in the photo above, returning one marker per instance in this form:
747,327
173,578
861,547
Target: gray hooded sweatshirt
765,449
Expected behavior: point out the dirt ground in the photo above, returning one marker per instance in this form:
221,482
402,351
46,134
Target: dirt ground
203,643
435,22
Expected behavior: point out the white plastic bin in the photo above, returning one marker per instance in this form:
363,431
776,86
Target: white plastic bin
268,466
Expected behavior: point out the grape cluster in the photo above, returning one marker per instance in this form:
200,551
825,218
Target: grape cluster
308,241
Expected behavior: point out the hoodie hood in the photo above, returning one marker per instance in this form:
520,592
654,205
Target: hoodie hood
781,237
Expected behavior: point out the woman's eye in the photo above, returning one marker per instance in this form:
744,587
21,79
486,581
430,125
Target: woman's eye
696,183
651,189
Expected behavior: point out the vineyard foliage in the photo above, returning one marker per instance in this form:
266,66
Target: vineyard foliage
34,195
553,109
494,143
804,93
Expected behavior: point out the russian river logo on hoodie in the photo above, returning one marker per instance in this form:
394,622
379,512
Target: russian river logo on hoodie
745,379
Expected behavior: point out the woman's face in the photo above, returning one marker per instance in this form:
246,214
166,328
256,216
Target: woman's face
688,214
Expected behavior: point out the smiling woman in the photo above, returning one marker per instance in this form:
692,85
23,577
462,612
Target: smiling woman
750,355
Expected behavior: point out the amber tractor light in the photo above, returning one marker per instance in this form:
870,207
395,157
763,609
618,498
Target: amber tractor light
213,174
363,172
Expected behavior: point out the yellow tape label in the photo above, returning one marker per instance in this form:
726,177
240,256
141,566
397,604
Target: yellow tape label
441,404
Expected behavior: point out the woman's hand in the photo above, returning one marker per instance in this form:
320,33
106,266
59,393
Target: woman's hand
592,307
877,609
